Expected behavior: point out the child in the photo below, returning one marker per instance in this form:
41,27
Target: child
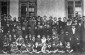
14,48
43,40
6,45
29,48
26,39
37,48
68,48
61,48
55,49
14,38
49,48
23,48
19,42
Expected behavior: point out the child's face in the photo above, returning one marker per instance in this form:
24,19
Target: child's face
66,33
36,44
68,44
20,36
38,36
5,36
9,36
53,44
29,35
26,37
29,45
53,36
14,35
49,46
48,36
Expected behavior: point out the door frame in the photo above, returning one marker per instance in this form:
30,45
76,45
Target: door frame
25,3
8,7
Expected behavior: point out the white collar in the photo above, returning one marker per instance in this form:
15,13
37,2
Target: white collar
73,28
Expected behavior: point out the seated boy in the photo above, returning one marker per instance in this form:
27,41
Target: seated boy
37,48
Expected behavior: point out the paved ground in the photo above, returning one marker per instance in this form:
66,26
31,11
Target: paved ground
48,54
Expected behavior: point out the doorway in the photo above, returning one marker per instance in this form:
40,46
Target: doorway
4,10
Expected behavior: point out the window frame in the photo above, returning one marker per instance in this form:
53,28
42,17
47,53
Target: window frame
66,6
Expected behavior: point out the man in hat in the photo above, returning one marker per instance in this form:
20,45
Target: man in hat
32,24
80,28
75,38
68,26
60,25
64,22
44,25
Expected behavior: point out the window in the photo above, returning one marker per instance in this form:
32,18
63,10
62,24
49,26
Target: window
31,9
23,10
74,8
27,8
4,10
4,7
70,9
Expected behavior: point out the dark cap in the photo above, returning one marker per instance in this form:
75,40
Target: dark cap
68,20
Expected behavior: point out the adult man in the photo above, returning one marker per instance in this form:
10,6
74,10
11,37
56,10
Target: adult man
55,23
60,25
49,26
64,22
68,26
44,25
75,38
32,24
80,28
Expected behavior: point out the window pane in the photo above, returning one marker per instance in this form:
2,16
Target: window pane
78,8
70,3
74,6
77,3
23,11
31,14
4,8
70,15
70,9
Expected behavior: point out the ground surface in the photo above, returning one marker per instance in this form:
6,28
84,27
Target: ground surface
49,54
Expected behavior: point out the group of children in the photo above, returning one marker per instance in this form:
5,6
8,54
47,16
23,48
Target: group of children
35,45
41,35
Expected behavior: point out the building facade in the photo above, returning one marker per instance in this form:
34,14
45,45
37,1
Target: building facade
18,8
55,8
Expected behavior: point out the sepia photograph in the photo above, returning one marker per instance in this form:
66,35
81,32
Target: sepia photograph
42,27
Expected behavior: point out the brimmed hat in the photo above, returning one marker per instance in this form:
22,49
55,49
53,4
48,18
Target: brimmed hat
68,20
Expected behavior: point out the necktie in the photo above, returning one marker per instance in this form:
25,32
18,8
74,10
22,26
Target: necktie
73,29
